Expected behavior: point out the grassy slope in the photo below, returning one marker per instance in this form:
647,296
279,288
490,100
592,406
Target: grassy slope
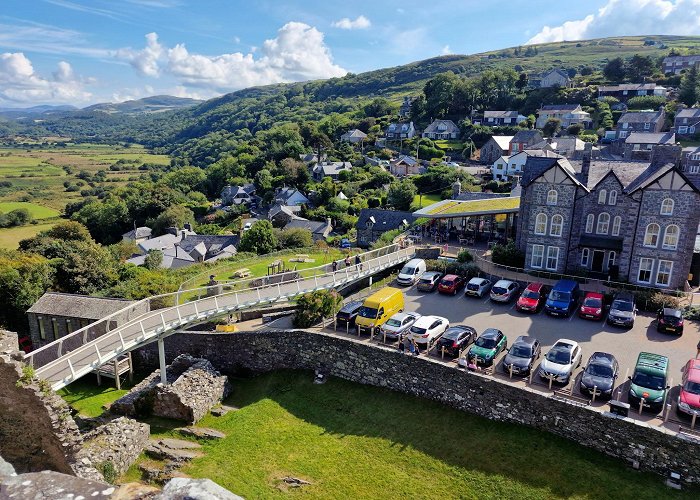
10,237
37,211
355,441
87,398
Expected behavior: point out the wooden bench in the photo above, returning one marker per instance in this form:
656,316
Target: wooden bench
302,257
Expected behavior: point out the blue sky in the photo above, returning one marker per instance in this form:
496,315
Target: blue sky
86,51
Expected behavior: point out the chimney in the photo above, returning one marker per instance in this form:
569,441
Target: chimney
456,189
171,230
586,163
188,226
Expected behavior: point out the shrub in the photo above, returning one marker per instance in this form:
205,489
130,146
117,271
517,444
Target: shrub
465,256
692,312
508,255
646,102
651,300
467,269
294,238
108,471
314,306
386,238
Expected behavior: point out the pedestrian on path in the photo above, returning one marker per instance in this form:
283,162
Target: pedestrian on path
697,354
402,344
358,262
335,266
347,260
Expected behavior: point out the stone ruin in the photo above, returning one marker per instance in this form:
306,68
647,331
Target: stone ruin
194,387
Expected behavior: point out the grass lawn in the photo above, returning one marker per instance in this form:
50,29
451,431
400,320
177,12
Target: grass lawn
10,237
355,441
428,199
37,211
88,398
449,144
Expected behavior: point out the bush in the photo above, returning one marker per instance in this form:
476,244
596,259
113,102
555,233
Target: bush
386,238
467,269
508,255
651,300
294,238
108,471
465,256
646,102
692,312
314,306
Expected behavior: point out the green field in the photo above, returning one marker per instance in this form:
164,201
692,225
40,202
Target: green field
356,441
10,237
428,199
88,398
37,211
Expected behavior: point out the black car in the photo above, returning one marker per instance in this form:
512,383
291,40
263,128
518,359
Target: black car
429,281
456,338
522,355
670,320
348,313
600,373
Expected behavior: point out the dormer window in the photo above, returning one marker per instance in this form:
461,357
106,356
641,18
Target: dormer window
602,197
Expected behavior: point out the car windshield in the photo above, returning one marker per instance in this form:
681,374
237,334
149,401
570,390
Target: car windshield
368,312
407,270
621,305
473,286
559,356
426,281
654,382
393,322
487,343
592,302
418,330
529,294
692,387
672,319
447,282
499,290
452,334
521,351
599,370
559,296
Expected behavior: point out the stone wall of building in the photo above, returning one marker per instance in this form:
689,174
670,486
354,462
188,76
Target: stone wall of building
8,341
629,440
119,441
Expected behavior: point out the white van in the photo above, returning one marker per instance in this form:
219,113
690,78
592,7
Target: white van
411,272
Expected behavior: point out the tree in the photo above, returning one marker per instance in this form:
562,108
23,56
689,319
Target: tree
552,127
646,102
263,180
260,238
379,107
314,306
603,116
689,91
294,238
401,194
174,216
614,70
24,277
638,67
153,259
574,129
522,81
439,92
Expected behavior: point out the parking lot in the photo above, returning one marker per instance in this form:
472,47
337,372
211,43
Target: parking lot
624,344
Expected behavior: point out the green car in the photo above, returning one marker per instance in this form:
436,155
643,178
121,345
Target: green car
489,345
649,382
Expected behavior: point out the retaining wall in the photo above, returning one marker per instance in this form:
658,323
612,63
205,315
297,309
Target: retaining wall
637,443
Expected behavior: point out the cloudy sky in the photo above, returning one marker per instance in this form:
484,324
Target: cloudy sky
86,51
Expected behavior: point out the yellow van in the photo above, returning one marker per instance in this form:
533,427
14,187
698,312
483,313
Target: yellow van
379,307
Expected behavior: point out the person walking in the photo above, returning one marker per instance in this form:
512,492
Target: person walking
335,265
402,344
347,260
358,262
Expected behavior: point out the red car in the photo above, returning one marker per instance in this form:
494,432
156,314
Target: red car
451,283
689,397
532,298
592,306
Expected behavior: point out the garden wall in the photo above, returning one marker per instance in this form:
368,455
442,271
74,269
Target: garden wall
239,353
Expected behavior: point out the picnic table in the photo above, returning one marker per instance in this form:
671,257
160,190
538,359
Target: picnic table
241,273
302,257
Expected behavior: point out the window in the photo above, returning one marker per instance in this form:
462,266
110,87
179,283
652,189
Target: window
537,256
42,331
671,234
612,198
694,169
647,126
617,222
667,206
552,196
590,219
602,196
54,326
69,327
603,223
663,276
585,255
541,224
557,225
611,259
651,235
552,258
682,130
645,270
623,134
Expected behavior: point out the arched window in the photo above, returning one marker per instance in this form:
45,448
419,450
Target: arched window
671,234
602,197
557,225
611,259
651,235
541,224
617,222
590,220
552,196
603,223
612,198
585,255
667,206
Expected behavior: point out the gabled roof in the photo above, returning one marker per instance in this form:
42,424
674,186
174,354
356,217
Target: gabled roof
314,226
408,160
501,114
563,108
434,127
332,168
503,141
211,244
535,166
629,86
77,306
138,233
384,220
652,138
640,117
354,133
557,71
525,136
286,193
160,242
688,113
400,127
538,152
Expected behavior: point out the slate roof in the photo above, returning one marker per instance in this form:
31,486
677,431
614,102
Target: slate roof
629,86
536,166
408,160
138,233
556,70
653,138
332,168
626,171
77,306
213,244
316,227
384,220
354,133
160,242
290,210
688,113
286,193
564,108
639,117
503,141
434,127
500,114
525,136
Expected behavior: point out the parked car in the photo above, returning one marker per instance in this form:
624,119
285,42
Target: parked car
649,382
522,355
398,324
600,374
532,299
487,347
378,308
348,313
689,397
561,361
562,299
504,290
623,310
477,287
670,320
247,226
411,272
592,306
345,243
428,329
429,281
456,338
451,284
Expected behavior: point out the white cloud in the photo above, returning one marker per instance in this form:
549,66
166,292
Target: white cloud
346,23
446,50
19,83
144,61
628,17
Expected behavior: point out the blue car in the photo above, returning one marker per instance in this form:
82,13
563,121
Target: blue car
562,299
345,243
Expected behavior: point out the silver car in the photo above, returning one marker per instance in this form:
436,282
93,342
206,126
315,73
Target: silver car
504,290
561,361
398,324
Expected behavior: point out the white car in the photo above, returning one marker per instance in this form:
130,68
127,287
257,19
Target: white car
561,361
398,324
504,290
427,329
247,226
477,287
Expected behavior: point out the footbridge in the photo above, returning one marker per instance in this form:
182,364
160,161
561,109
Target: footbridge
79,353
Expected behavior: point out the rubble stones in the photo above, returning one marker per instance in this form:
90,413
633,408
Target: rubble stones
183,488
201,432
49,484
175,450
119,441
221,410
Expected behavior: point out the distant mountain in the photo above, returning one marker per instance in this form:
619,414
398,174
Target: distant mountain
153,104
35,110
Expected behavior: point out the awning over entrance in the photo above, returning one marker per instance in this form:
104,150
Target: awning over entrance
472,208
602,242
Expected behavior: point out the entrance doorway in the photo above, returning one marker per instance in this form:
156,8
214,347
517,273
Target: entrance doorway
598,259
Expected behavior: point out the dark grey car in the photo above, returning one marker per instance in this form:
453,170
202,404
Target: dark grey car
623,310
522,355
348,313
600,374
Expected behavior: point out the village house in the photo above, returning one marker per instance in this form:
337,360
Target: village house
239,195
171,237
567,114
405,165
502,118
687,122
290,196
281,215
506,167
373,222
640,121
137,235
569,147
442,129
690,163
676,64
625,91
397,131
405,109
495,147
554,78
638,145
355,136
524,139
319,230
330,169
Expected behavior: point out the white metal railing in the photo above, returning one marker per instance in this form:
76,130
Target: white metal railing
61,366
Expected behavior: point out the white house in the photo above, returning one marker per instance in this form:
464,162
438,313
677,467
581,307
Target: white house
442,129
290,196
507,166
